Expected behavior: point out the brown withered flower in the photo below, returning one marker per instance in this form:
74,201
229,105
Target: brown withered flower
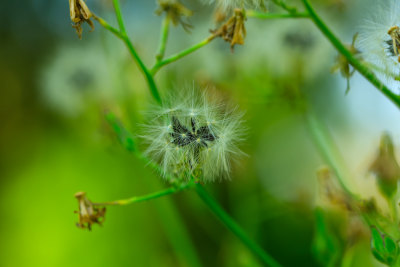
80,13
343,64
385,167
88,212
175,12
330,191
233,31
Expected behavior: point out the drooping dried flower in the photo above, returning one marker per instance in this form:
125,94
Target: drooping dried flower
80,13
175,11
233,31
386,168
88,213
343,64
330,191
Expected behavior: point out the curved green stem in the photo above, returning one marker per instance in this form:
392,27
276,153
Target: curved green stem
181,54
165,192
124,37
286,7
357,64
327,149
163,38
234,227
264,15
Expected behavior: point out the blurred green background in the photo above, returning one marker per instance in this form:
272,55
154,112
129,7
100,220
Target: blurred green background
54,140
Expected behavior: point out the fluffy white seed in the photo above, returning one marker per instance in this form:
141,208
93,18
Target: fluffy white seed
193,136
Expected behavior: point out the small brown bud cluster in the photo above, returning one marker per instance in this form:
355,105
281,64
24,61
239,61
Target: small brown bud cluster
80,13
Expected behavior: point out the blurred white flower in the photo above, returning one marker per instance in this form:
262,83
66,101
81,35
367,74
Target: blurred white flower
287,47
232,4
75,76
380,38
191,135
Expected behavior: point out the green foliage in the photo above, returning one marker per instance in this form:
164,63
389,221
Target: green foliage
383,247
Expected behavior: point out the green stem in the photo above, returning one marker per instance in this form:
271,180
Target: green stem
123,35
264,15
357,64
176,230
181,54
163,38
283,5
108,26
165,192
327,149
234,227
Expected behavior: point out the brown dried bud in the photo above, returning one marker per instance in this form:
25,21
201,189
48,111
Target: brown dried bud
386,168
330,191
233,31
88,213
343,64
175,11
80,13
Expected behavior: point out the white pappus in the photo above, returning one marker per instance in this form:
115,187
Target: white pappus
192,136
379,38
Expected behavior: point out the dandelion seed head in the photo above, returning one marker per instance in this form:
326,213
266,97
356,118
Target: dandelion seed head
379,39
193,136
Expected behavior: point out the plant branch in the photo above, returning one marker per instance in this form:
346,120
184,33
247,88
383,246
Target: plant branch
181,54
264,15
327,148
165,192
234,227
286,7
163,38
132,50
108,26
357,64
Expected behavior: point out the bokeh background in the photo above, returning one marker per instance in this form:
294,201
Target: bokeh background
54,140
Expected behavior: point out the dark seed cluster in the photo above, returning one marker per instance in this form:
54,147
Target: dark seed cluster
197,136
390,47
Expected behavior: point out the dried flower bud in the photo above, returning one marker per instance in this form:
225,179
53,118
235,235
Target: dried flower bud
233,31
88,213
80,13
175,11
386,168
330,191
343,64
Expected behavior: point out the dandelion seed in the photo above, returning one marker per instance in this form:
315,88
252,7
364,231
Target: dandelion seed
193,146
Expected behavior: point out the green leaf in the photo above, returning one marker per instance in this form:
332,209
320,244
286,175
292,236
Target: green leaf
383,247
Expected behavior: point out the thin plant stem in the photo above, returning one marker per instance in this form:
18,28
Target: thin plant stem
163,38
176,231
108,26
127,140
264,15
234,227
286,7
357,64
136,199
181,54
132,50
326,147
